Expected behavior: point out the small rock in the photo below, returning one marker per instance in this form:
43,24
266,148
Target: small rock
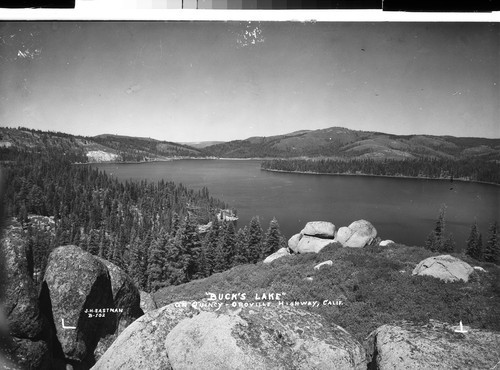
278,254
385,243
325,263
479,268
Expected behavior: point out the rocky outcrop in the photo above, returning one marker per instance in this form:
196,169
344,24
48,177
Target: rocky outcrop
444,267
323,264
433,346
180,336
148,302
27,326
278,254
357,235
321,229
76,282
126,298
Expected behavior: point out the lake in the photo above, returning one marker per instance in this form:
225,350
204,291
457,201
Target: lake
403,210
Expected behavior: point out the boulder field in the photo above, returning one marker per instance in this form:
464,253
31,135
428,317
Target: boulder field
317,235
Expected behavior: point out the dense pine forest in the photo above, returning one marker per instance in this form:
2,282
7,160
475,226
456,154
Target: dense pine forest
469,170
151,230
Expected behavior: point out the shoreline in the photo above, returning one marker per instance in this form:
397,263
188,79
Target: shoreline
385,176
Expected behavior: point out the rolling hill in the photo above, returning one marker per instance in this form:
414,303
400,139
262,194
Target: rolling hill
342,142
101,148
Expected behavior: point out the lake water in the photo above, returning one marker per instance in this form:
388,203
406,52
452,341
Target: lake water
404,210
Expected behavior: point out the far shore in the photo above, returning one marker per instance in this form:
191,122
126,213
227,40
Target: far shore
387,176
299,172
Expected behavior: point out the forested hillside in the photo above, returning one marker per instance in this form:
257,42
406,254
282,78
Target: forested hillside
100,148
470,170
160,233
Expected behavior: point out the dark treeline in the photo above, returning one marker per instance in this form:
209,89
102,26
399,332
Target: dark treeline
470,169
150,230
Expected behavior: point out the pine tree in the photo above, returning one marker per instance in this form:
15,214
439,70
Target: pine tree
156,262
210,246
241,246
189,245
474,244
225,250
437,241
492,249
273,239
435,238
134,267
254,240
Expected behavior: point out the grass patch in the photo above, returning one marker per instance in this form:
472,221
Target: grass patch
375,284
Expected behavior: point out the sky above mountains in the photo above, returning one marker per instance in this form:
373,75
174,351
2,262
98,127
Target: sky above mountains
195,81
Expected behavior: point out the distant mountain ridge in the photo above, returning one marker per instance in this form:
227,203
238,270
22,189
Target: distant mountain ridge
341,142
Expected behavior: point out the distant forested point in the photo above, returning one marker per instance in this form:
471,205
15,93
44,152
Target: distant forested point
465,170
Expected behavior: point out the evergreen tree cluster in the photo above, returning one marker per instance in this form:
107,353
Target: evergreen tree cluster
463,169
152,231
438,241
487,253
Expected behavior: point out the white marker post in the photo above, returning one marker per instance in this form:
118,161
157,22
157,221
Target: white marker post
460,329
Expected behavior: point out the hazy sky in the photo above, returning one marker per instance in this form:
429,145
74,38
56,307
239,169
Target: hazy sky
194,81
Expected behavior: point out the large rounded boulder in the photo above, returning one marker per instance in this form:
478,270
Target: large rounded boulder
179,336
357,235
444,267
76,294
320,229
433,346
311,244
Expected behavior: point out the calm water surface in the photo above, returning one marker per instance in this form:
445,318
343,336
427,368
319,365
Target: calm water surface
403,210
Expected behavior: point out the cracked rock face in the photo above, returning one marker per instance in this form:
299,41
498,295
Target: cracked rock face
274,337
444,267
74,282
432,346
27,326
